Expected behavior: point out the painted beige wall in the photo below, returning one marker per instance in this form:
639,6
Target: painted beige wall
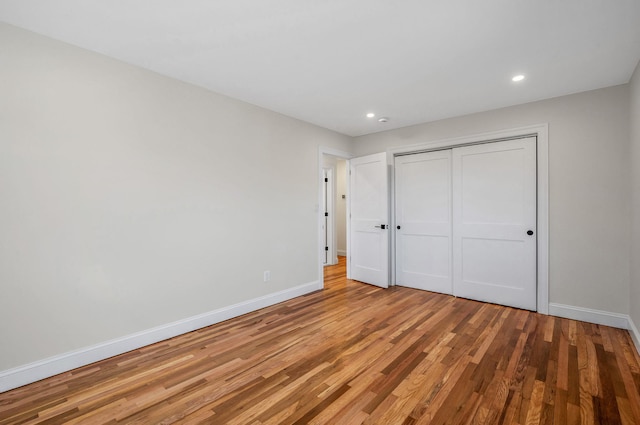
635,196
131,200
589,186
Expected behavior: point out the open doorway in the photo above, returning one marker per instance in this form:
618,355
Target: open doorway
328,210
333,210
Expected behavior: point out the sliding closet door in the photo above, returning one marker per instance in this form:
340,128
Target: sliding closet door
423,218
494,222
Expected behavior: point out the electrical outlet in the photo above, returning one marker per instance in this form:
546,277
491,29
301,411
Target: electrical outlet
267,275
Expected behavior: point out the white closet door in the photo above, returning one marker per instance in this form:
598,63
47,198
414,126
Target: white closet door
369,234
494,222
423,218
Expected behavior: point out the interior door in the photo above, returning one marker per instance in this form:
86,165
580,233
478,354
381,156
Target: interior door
369,222
494,222
423,219
325,223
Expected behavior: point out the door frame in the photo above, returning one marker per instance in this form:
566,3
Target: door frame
541,132
328,202
322,151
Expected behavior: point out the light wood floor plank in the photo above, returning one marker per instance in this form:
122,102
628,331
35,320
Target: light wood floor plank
356,354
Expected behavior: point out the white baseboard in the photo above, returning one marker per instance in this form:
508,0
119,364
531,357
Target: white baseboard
32,372
599,317
635,334
342,253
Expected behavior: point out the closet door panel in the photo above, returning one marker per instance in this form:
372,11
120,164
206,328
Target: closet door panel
423,214
494,222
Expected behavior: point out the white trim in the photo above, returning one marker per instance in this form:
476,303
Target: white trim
392,218
348,218
32,372
584,314
541,131
342,253
465,140
334,152
635,334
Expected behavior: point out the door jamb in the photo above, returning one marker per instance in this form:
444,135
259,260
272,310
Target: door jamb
541,132
330,231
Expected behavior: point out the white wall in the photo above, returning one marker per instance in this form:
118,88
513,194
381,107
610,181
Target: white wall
589,186
635,198
131,200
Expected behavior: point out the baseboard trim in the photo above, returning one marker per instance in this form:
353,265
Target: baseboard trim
342,253
599,317
32,372
635,334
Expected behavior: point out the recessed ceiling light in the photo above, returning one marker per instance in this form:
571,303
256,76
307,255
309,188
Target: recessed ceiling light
383,119
371,115
518,78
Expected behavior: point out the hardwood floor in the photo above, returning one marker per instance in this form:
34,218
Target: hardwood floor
353,354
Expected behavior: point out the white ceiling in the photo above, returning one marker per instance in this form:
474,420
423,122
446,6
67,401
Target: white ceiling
329,62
